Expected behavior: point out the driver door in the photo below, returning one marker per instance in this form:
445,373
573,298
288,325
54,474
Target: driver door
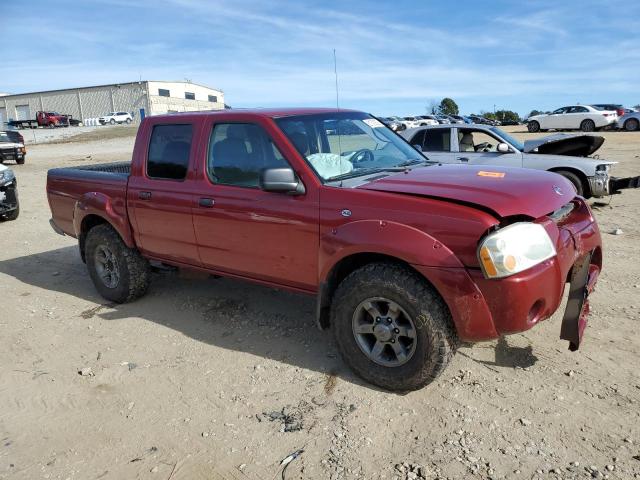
557,119
479,147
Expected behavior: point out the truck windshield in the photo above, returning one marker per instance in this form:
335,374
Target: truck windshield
340,144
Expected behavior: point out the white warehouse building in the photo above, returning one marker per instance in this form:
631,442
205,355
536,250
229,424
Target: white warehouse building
141,99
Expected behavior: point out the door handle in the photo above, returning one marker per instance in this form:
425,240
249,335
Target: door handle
463,159
206,202
144,195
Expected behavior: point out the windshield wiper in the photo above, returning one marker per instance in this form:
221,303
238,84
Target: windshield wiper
365,171
413,161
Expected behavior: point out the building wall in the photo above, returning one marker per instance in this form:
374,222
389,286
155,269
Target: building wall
91,102
177,102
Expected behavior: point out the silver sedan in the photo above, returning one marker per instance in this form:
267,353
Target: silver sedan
629,122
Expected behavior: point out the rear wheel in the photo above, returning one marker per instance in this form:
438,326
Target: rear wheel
632,125
533,126
587,126
392,327
119,273
574,179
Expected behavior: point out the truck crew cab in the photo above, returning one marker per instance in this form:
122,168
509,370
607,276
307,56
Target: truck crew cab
405,259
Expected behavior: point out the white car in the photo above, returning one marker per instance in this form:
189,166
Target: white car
427,120
573,117
630,122
116,117
411,122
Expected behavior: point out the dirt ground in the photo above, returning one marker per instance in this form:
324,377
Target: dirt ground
217,379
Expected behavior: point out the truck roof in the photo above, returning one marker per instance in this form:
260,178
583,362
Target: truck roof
258,112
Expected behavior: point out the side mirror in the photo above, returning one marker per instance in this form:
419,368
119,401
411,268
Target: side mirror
281,180
503,148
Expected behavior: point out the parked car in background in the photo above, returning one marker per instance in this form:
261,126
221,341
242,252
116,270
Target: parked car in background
462,119
12,147
393,124
615,107
9,206
488,145
405,259
443,119
629,122
573,117
411,122
116,117
427,120
483,120
510,122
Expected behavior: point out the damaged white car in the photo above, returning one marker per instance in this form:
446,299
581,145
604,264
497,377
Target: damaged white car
567,155
9,207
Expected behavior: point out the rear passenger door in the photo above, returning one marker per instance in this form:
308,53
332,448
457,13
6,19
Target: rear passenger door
244,230
160,196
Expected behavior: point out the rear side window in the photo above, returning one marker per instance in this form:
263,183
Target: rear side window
169,152
238,152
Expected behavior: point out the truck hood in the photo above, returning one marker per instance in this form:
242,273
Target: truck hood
564,144
502,191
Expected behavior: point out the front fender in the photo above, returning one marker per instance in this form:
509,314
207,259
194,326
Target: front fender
115,213
396,240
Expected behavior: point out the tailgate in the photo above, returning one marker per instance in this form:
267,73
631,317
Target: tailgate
65,186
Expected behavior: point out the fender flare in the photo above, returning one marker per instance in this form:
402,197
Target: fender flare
101,205
392,239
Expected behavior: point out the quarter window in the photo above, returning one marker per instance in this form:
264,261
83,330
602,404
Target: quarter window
169,152
164,92
213,98
238,152
189,95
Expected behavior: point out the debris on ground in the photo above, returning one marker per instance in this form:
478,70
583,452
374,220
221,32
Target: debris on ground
86,372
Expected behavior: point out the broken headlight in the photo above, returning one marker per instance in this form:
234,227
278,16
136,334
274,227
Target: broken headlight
514,249
6,176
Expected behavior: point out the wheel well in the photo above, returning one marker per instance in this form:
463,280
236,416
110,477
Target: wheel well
583,178
342,270
88,223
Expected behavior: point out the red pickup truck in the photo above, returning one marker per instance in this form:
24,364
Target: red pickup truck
406,258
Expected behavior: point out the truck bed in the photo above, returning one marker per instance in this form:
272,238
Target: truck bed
65,186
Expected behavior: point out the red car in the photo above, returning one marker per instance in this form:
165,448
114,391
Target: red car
405,259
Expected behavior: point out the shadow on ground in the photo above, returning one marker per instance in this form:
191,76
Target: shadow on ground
234,315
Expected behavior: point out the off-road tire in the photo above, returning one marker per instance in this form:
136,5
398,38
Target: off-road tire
574,179
135,273
632,125
436,336
588,126
533,126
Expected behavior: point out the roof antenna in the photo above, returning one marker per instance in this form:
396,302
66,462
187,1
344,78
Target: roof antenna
335,71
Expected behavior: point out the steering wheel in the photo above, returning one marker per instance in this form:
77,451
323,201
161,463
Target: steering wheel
483,147
361,156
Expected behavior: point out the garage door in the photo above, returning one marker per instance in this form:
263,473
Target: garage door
3,116
22,112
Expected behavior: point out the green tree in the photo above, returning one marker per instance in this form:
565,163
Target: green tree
534,112
507,116
448,107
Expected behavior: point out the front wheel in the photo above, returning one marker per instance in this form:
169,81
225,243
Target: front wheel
632,125
13,214
128,121
392,327
574,179
533,126
112,121
587,126
119,273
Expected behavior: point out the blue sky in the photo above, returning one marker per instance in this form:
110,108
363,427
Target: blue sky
393,57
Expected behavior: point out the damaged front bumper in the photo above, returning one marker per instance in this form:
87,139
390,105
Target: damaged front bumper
8,197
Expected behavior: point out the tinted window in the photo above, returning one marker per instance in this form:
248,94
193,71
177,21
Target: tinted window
438,140
163,92
189,95
238,152
418,138
169,152
213,98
